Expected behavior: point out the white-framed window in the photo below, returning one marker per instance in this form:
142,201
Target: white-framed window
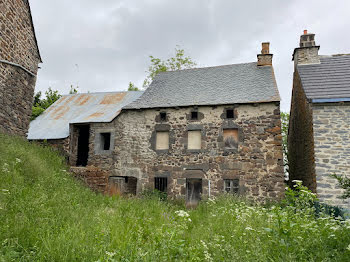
231,186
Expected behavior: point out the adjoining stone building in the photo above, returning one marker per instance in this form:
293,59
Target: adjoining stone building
19,59
319,127
193,133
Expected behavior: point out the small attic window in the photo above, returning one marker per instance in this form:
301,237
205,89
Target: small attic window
229,113
194,115
162,116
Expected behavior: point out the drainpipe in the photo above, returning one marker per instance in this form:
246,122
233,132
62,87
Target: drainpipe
209,188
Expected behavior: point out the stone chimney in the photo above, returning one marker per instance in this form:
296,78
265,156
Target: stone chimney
265,58
307,52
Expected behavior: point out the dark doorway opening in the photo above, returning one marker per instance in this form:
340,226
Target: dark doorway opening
106,141
161,184
194,190
83,145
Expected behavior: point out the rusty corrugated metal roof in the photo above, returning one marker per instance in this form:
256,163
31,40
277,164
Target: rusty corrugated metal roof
79,108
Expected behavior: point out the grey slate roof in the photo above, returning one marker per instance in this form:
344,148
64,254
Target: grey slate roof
228,84
78,108
330,79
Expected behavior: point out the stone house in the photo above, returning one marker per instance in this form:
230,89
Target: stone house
192,134
19,59
319,127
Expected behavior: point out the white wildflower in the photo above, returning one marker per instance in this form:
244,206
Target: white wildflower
182,213
249,228
348,248
110,254
18,160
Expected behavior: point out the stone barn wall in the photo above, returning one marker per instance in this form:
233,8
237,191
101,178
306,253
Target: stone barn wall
331,125
255,162
17,46
300,138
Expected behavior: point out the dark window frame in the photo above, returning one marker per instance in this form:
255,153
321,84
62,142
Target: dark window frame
231,186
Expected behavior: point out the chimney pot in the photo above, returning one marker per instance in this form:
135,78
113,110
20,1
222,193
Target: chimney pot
305,32
265,58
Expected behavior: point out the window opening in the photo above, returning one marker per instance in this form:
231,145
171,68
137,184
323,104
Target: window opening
105,141
163,116
231,186
162,140
231,138
229,113
194,140
194,190
194,115
161,184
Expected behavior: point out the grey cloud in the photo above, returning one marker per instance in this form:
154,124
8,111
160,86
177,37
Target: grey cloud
110,40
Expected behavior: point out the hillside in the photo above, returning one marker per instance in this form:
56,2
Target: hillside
45,215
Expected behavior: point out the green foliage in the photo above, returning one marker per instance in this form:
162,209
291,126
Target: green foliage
73,90
285,125
41,104
344,183
179,61
132,87
300,197
46,215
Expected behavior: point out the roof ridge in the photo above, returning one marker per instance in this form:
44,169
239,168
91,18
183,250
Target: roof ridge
206,67
106,92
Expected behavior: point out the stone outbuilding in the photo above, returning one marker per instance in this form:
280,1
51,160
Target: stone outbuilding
19,59
192,134
319,127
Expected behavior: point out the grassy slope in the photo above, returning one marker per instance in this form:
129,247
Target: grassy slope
47,216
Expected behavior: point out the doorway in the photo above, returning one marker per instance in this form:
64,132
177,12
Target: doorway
83,145
194,190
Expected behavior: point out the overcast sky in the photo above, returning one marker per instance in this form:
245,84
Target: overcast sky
102,45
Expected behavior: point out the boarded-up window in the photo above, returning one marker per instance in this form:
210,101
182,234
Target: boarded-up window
194,140
162,140
231,186
231,138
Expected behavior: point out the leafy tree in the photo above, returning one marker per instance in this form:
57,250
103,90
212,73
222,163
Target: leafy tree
41,104
132,87
344,183
180,61
73,90
285,125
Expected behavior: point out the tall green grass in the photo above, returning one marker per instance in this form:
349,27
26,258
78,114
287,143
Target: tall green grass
45,215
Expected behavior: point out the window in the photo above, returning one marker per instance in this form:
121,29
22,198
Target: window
231,138
161,184
162,116
194,140
231,186
194,115
162,140
105,141
229,113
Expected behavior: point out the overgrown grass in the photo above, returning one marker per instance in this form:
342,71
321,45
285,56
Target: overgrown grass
45,215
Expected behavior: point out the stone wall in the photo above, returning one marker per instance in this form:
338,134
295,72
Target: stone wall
331,124
17,45
256,162
16,99
17,41
300,138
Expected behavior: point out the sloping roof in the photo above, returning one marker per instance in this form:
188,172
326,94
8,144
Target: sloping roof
328,80
78,108
228,84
